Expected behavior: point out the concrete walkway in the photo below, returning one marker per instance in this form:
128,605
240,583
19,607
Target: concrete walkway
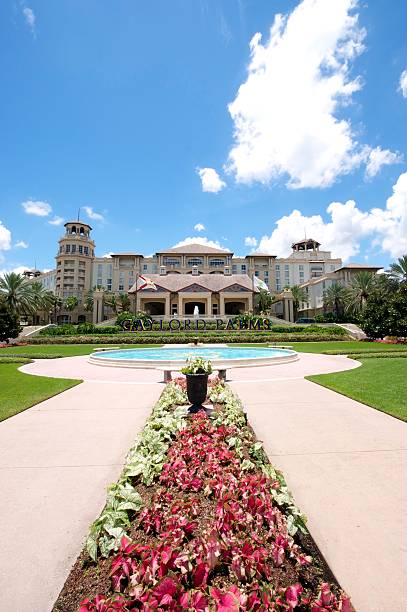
345,463
56,460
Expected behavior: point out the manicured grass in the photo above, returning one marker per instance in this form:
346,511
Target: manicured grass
63,350
338,347
379,383
21,391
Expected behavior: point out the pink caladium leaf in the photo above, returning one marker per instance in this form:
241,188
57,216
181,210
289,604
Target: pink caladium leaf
292,594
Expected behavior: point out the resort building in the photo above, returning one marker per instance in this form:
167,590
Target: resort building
213,279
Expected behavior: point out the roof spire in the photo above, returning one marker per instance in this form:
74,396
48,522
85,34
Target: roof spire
79,210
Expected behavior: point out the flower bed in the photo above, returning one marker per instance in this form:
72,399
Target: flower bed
199,520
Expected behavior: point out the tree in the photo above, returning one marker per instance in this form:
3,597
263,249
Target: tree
71,303
112,302
334,298
9,324
398,270
88,304
124,301
359,290
56,305
264,300
385,314
299,296
16,293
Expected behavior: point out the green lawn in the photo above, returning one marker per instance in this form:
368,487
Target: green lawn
380,383
339,347
63,350
20,391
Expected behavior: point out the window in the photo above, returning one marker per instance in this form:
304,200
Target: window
174,309
301,275
286,267
256,273
216,263
121,282
277,266
68,248
145,267
234,268
80,249
243,267
195,261
266,273
277,273
173,262
300,267
86,250
214,309
73,249
82,264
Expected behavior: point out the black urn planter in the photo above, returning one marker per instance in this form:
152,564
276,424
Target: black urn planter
197,388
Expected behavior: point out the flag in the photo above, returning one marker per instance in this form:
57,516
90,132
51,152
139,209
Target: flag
143,282
257,282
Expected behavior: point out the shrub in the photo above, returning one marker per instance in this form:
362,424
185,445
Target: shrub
9,326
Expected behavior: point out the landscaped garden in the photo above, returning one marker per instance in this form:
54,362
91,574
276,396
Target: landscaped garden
199,520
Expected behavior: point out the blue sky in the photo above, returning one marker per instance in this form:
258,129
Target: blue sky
121,109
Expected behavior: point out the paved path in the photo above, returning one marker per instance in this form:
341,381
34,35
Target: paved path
345,462
56,460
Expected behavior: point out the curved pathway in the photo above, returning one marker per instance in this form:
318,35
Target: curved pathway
344,462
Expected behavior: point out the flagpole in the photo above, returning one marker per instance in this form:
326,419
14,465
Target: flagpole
137,276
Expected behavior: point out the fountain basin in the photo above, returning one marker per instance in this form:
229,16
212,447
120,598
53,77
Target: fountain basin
174,358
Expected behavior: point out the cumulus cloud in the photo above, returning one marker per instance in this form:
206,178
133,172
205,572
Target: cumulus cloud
21,245
377,158
200,240
109,254
346,228
29,18
250,241
210,180
289,113
16,269
5,240
56,220
92,214
199,227
403,83
37,208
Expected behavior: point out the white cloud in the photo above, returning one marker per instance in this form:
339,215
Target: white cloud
377,158
21,245
17,270
56,220
92,214
5,238
30,18
403,83
286,114
109,254
250,241
347,227
210,180
200,240
37,208
199,227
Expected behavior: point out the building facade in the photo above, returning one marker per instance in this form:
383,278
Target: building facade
220,282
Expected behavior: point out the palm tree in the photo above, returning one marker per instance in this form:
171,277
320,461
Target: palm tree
335,298
264,300
88,304
359,290
124,301
299,296
56,304
398,270
71,303
112,302
16,294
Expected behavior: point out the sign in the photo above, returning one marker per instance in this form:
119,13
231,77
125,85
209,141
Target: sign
176,325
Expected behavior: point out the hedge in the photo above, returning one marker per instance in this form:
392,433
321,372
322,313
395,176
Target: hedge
71,330
178,338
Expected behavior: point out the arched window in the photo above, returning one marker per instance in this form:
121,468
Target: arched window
82,231
73,230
